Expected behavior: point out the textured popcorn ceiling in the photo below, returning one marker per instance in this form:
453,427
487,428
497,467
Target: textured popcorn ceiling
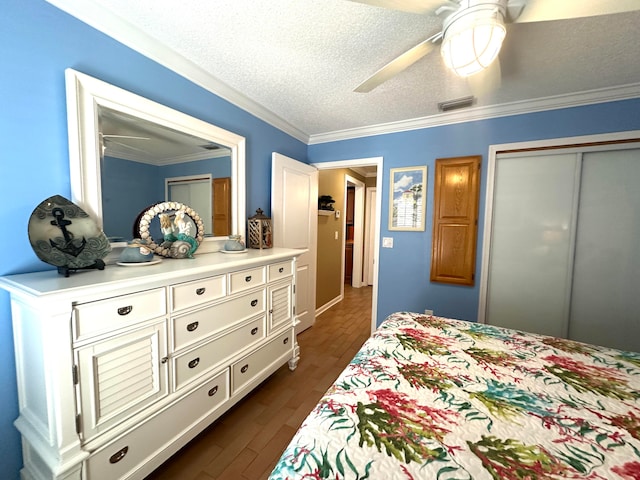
301,59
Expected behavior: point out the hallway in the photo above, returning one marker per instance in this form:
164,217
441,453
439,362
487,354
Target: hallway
246,442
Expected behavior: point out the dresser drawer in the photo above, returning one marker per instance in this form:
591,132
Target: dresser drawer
195,293
280,270
196,362
197,325
252,365
123,456
245,279
93,318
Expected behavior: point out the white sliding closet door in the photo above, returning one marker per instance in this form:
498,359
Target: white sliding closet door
531,242
605,303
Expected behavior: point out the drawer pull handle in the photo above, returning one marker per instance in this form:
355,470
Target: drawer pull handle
192,326
213,391
247,278
119,455
281,269
194,363
245,368
286,340
254,330
254,303
164,359
200,291
125,310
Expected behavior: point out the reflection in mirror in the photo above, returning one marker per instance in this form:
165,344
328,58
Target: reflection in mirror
128,152
174,166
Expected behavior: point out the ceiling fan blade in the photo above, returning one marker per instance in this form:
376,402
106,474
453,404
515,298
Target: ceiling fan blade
410,6
486,81
399,64
130,147
125,136
543,10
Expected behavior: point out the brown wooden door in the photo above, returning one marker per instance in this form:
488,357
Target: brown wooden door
455,220
221,207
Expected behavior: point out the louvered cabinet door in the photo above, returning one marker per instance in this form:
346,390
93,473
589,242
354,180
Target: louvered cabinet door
121,376
280,306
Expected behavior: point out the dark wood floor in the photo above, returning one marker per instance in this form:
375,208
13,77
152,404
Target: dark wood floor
246,442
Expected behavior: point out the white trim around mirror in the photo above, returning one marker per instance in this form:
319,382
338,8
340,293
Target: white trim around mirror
85,95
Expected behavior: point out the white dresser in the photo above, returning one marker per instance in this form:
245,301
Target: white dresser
118,369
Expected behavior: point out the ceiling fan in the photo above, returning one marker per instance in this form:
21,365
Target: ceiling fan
107,138
473,30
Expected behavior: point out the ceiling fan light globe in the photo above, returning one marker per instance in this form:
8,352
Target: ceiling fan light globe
472,40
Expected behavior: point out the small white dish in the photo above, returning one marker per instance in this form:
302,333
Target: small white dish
234,251
139,264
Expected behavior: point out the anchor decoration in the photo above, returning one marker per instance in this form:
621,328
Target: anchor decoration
62,234
68,246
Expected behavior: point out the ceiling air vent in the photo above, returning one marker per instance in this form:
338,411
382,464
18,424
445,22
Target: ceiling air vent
456,104
210,146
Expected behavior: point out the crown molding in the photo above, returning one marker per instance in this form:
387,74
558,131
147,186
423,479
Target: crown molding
119,29
556,102
124,32
161,162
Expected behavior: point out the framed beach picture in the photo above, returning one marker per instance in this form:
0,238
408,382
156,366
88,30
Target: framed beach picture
408,198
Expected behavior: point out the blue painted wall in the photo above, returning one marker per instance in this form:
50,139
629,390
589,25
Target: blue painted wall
404,270
37,43
123,191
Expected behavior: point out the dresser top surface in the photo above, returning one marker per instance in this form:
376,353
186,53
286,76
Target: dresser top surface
168,271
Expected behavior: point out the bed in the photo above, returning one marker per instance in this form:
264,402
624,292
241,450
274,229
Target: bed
435,398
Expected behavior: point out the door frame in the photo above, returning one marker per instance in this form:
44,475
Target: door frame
366,162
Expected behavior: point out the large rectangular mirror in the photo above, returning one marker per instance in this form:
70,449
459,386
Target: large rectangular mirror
128,152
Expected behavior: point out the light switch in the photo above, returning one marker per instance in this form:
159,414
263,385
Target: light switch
387,242
335,236
337,213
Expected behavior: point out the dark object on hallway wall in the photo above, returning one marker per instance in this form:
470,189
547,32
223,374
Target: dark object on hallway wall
325,202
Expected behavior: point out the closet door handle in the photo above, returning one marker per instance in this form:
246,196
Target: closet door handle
247,278
254,302
200,291
125,310
119,455
192,326
194,363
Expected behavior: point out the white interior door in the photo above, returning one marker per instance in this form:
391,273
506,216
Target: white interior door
369,237
294,214
358,230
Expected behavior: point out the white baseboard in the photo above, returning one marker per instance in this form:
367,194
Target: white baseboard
328,305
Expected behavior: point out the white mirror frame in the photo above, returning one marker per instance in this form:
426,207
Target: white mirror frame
86,94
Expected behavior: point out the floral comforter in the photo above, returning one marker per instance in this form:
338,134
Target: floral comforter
435,398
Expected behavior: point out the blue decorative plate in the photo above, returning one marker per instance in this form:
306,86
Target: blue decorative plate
62,234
